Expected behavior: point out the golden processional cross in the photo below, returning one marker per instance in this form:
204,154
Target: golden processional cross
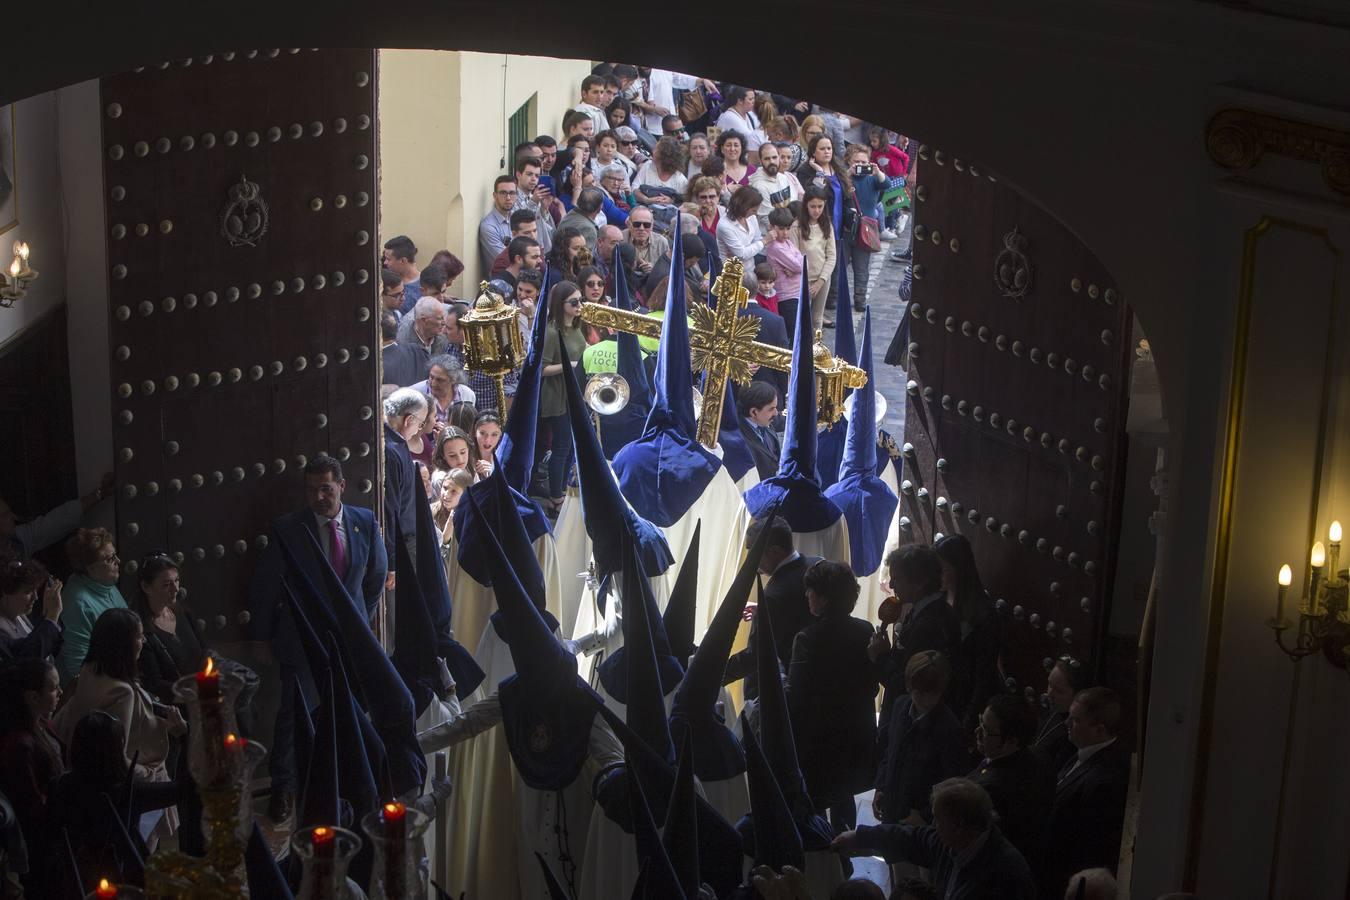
723,346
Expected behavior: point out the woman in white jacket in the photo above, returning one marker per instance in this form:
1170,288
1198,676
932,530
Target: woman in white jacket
738,232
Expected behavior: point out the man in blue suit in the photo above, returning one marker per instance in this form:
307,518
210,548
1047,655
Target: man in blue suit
325,533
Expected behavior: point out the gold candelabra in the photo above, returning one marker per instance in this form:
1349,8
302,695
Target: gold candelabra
14,286
1324,609
493,342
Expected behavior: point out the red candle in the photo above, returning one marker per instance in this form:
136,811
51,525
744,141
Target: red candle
208,682
395,818
105,889
324,843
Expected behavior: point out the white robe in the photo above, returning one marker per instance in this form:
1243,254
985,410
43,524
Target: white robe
872,593
748,480
829,543
473,603
573,550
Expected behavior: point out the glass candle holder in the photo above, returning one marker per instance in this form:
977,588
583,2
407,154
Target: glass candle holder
401,870
209,697
107,890
325,853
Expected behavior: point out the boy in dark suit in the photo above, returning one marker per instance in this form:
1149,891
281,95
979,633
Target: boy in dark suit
1018,781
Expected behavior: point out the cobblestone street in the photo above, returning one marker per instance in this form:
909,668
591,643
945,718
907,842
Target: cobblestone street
883,296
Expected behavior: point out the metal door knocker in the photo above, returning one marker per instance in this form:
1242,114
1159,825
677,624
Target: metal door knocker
1012,269
244,219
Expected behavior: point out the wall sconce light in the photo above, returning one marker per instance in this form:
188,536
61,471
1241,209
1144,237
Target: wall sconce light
1324,610
15,284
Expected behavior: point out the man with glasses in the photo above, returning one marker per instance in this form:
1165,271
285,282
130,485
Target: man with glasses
673,126
648,245
1020,783
536,198
494,231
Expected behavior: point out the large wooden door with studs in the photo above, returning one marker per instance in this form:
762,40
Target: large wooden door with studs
243,284
1015,410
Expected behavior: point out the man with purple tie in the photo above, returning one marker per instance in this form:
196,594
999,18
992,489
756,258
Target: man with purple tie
326,532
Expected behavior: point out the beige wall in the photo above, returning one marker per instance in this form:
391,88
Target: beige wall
436,170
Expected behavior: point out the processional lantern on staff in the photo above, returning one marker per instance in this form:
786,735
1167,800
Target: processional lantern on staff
724,346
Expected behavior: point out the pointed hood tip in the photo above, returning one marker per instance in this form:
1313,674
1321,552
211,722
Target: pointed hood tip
606,511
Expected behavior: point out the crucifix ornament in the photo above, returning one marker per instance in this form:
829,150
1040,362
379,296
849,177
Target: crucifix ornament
723,346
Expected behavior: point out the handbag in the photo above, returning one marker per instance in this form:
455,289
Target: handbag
868,234
692,106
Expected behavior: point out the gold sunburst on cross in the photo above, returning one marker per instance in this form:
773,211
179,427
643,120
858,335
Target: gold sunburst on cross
723,345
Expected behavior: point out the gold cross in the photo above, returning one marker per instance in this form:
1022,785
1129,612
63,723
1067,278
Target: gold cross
723,346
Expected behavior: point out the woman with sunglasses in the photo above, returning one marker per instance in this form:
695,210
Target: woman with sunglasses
592,281
173,645
555,434
88,593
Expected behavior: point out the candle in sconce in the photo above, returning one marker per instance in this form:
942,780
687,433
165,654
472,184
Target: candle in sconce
208,682
1334,556
395,818
1318,560
1285,578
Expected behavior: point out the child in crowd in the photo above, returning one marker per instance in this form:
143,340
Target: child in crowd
786,261
767,296
487,432
447,489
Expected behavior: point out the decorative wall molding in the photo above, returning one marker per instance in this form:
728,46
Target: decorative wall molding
1238,138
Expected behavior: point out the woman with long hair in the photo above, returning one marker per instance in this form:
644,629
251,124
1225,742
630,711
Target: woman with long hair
593,284
813,235
619,113
457,450
565,258
109,681
812,127
738,232
173,645
555,432
977,677
30,761
736,171
487,434
824,168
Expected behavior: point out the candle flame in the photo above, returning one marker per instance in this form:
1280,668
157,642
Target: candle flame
105,888
1319,555
23,251
1335,532
323,834
104,884
1286,576
15,268
210,666
393,808
231,740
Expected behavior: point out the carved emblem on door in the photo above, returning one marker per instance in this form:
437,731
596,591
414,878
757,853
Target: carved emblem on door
1012,269
244,219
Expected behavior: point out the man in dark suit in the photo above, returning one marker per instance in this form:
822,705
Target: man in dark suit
930,623
1085,820
964,851
402,365
1018,781
758,407
325,533
773,331
785,595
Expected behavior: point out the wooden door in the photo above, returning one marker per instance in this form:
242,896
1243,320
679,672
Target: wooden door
1016,409
244,282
